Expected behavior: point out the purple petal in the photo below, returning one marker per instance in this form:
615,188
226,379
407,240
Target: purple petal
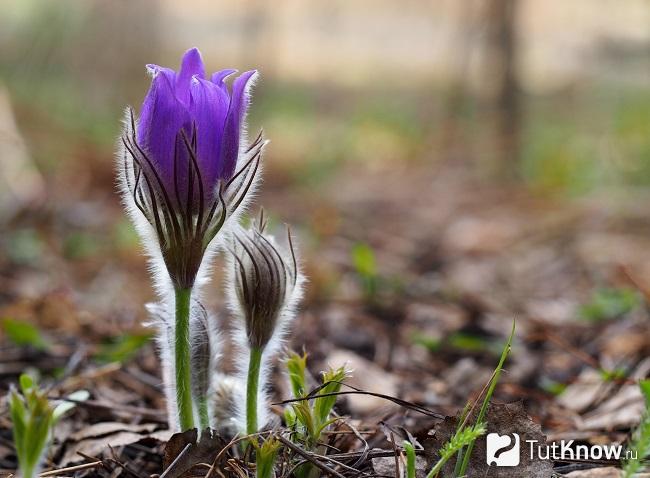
161,118
236,115
191,65
155,70
219,77
208,108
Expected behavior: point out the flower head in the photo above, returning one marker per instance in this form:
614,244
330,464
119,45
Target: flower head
183,166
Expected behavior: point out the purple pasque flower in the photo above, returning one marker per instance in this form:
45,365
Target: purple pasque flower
183,166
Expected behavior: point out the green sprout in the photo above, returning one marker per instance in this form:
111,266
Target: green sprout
484,406
410,459
33,418
464,437
640,438
23,334
265,456
309,418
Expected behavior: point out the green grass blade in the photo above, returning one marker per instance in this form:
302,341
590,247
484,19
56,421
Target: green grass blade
18,414
640,438
410,459
488,397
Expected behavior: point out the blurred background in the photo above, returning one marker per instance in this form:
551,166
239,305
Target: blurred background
447,166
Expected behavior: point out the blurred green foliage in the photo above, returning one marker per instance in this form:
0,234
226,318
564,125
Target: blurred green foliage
125,236
80,245
459,341
24,246
23,334
613,375
551,386
607,304
122,348
365,265
596,138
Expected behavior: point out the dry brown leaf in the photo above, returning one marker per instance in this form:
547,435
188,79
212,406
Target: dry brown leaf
502,419
192,451
97,446
105,428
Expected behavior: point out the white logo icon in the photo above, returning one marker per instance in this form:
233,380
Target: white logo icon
502,450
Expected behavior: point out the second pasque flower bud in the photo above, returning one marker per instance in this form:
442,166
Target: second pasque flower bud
265,284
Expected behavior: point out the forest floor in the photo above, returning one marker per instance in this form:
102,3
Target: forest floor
415,277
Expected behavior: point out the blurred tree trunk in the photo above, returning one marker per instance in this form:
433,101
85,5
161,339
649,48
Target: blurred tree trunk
461,44
501,60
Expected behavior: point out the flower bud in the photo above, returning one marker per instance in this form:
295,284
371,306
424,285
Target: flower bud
227,395
205,348
265,284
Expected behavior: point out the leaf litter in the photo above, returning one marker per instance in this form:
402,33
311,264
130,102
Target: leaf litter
420,312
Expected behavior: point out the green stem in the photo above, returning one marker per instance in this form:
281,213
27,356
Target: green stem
254,364
27,472
182,358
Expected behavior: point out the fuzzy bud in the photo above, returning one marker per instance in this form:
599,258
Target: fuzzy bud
265,284
205,348
227,393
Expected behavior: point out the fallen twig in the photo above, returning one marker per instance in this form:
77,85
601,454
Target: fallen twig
309,457
83,466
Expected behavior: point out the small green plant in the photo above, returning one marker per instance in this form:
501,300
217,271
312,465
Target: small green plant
462,442
480,419
608,304
612,375
459,341
33,418
309,418
265,455
551,386
464,437
409,450
23,334
123,347
365,265
640,438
